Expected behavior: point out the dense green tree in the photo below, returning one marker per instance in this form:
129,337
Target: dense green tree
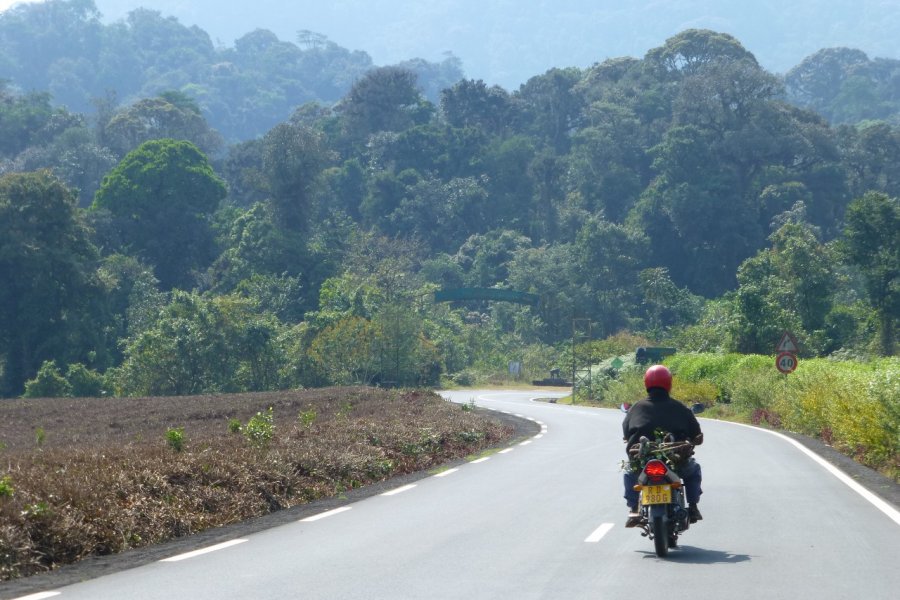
845,86
554,273
470,103
50,304
787,287
345,351
551,107
171,115
293,159
202,345
255,243
693,49
484,258
610,258
871,242
21,118
871,151
385,99
161,196
665,304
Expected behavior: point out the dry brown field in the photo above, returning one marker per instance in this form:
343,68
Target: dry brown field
95,476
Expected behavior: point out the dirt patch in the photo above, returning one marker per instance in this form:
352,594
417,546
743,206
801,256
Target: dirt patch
94,478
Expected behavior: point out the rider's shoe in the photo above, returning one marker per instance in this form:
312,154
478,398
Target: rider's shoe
634,517
694,513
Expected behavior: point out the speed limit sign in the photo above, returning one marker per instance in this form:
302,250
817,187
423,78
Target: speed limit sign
786,362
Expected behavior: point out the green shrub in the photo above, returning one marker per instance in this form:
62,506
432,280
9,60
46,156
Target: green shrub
260,429
175,438
48,383
6,488
84,382
307,418
627,388
234,425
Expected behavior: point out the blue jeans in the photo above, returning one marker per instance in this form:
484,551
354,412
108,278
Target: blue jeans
690,474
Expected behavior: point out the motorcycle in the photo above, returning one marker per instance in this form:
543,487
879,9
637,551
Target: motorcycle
663,510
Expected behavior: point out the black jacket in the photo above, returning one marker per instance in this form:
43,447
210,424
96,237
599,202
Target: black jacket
659,411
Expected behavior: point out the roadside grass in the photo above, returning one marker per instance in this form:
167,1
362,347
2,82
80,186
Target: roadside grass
851,406
112,474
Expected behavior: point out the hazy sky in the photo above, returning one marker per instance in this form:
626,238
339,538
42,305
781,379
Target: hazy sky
508,41
4,4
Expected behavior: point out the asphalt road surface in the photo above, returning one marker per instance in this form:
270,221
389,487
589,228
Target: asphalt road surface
544,519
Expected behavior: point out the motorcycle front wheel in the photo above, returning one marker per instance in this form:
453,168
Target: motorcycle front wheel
660,537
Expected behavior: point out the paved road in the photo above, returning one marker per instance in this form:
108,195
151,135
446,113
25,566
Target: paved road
543,519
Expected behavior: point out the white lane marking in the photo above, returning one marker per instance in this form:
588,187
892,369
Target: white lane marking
599,533
880,504
525,443
202,551
326,514
520,416
539,436
445,473
38,596
480,460
399,490
507,451
540,423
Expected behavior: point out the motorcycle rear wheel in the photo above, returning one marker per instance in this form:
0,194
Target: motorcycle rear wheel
660,537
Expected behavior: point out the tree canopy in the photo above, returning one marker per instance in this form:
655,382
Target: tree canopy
679,197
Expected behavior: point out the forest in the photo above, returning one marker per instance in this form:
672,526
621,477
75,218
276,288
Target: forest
280,215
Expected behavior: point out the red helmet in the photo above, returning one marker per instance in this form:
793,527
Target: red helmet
658,376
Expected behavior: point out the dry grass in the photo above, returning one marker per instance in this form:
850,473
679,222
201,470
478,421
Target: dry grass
96,476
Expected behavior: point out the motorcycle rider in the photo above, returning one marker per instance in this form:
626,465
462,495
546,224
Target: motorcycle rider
659,411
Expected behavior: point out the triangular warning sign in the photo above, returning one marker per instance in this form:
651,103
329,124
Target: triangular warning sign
788,343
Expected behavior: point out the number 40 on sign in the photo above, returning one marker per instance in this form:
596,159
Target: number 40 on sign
786,362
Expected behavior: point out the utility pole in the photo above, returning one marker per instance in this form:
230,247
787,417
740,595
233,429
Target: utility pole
581,358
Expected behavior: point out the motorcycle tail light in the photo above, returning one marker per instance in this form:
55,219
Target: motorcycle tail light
656,469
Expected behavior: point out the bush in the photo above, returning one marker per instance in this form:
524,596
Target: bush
852,405
260,429
175,438
49,383
84,382
6,488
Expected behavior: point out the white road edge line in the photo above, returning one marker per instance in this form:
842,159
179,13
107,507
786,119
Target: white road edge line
445,473
880,504
525,443
507,451
38,596
399,490
480,460
325,514
202,551
599,533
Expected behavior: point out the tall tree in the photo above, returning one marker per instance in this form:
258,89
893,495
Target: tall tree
161,196
294,156
50,297
871,242
385,99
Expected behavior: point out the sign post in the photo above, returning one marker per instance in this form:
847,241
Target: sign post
787,349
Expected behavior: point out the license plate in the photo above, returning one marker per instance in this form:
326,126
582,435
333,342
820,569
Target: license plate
656,494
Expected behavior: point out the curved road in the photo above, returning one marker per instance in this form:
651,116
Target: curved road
543,519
